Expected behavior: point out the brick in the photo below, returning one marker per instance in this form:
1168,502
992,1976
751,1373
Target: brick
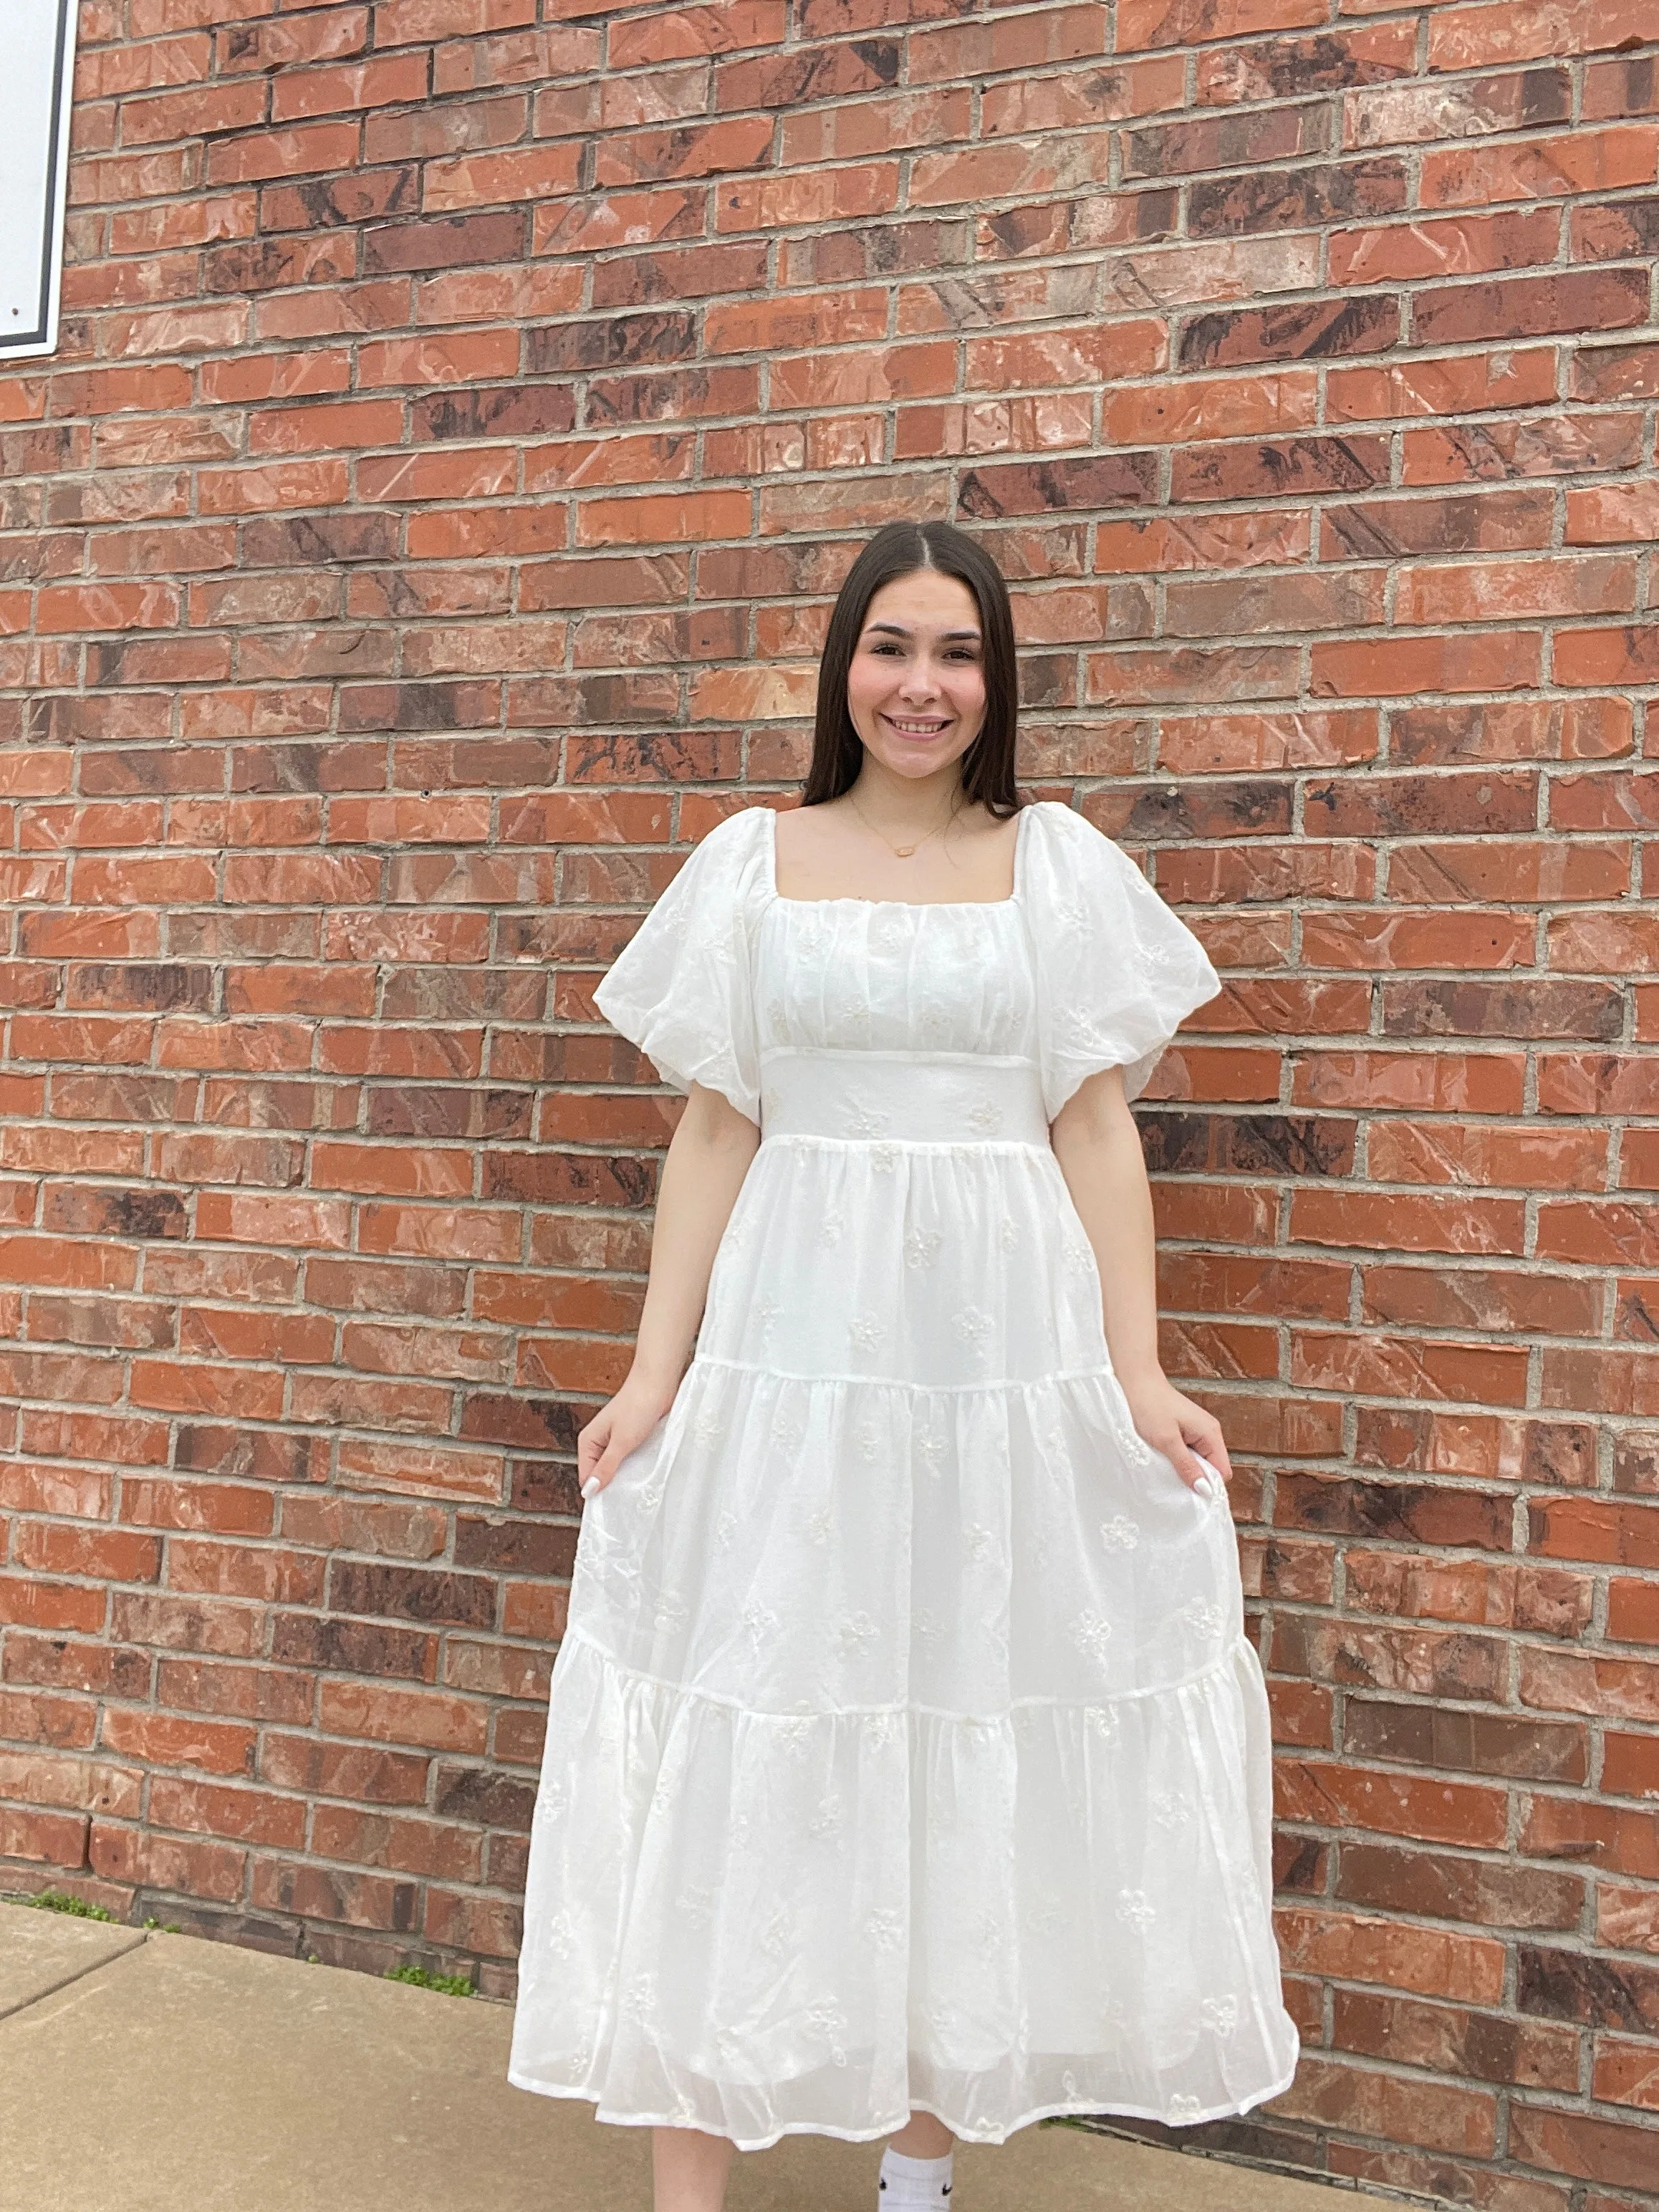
1476,2046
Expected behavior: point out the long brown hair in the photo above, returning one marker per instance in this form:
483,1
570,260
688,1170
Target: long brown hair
898,549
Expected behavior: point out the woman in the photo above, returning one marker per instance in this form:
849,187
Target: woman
907,1770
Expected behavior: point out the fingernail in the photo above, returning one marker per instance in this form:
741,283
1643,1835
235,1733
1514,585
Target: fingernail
590,1485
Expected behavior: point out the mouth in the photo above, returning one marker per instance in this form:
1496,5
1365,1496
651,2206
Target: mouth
918,725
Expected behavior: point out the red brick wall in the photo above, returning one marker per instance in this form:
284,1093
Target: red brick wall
465,412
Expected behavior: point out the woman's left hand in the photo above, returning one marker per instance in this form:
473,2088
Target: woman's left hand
1173,1425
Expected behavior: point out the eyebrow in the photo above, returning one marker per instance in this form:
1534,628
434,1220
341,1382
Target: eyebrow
898,630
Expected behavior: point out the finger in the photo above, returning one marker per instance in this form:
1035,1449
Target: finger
1206,1443
597,1476
605,1467
1186,1463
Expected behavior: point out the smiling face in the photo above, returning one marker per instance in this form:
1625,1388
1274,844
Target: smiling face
915,687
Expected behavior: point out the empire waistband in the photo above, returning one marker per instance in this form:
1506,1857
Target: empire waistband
901,1097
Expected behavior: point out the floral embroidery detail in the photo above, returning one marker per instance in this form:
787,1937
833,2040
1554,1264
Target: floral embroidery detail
829,1820
881,1729
947,2021
1170,1809
1219,2015
1130,1442
931,1450
1206,1621
922,1247
883,1156
929,1627
785,1428
559,1937
672,1609
865,1331
761,1622
724,1529
885,1929
708,1425
767,1313
973,1326
1106,1722
867,1440
1008,1234
640,1997
862,1121
1079,1258
985,1116
1068,2082
831,2022
552,1800
1118,1533
1091,1632
1183,2111
1135,1908
977,1542
695,1907
853,1631
830,1226
794,1736
818,1526
782,1933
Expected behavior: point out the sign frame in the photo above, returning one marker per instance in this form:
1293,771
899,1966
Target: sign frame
21,340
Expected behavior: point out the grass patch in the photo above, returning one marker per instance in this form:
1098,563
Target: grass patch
448,1985
57,1900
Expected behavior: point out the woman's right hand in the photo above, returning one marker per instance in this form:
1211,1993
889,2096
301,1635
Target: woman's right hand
620,1426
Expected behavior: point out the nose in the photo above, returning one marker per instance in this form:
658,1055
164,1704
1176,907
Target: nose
919,681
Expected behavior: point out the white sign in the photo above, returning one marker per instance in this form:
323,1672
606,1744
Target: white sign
37,66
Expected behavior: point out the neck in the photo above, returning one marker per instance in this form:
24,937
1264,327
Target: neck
903,804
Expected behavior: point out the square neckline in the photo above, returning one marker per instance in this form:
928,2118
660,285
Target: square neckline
843,898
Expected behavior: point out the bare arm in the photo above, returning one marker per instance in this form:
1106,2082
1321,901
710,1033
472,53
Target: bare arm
1098,1147
707,1160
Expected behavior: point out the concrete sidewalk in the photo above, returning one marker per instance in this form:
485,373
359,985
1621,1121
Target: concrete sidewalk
153,2073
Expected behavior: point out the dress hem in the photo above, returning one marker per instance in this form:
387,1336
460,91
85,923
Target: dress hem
1074,2110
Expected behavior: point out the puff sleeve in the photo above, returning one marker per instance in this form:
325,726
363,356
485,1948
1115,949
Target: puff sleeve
682,988
1117,972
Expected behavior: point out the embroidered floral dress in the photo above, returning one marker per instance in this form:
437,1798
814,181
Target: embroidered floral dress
905,1749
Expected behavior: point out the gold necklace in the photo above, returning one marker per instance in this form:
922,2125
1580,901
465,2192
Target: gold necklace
901,851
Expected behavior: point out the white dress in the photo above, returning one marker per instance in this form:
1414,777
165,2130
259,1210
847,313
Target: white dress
905,1748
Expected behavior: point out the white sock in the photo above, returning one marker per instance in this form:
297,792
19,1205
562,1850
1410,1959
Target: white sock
907,2184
